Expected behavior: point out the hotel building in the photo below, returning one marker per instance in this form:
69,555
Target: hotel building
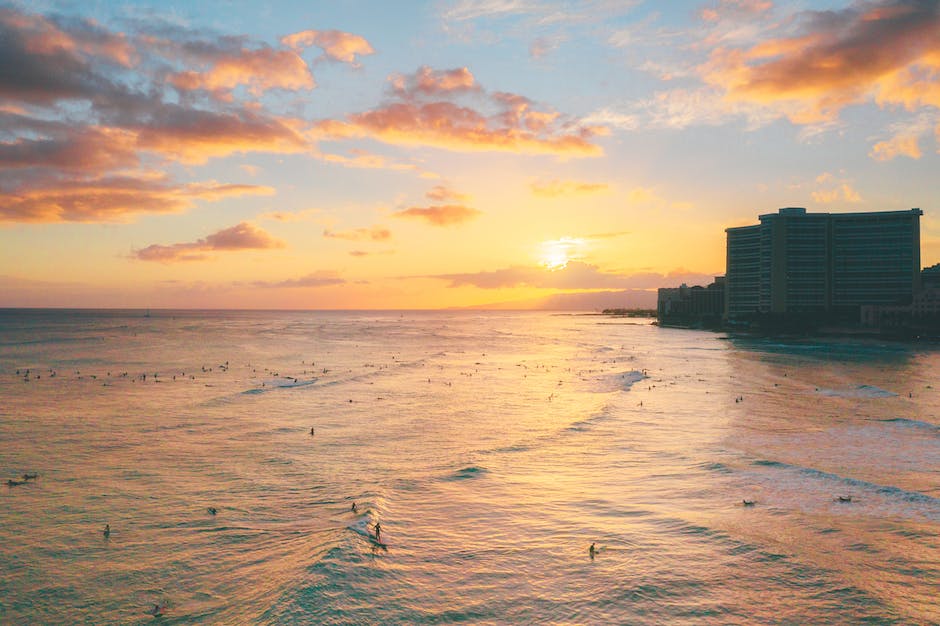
795,262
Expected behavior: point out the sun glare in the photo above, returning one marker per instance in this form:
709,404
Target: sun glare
557,253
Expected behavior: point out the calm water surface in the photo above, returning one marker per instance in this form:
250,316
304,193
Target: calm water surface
493,448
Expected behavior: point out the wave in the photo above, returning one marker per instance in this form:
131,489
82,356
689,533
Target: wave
471,471
903,421
622,381
280,384
861,391
863,485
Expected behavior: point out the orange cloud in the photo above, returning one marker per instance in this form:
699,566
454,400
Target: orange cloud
320,278
376,233
195,135
900,145
365,160
336,45
243,236
555,188
444,215
47,144
428,111
110,198
259,70
843,191
883,51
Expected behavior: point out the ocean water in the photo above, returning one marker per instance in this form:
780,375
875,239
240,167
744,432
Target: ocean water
493,449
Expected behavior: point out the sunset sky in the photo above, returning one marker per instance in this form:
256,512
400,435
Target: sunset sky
376,155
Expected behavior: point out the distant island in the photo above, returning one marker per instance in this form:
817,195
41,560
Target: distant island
630,312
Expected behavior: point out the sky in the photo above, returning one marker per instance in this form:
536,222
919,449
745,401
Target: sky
443,154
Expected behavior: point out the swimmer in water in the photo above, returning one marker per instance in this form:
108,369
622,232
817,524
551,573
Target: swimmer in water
107,531
156,610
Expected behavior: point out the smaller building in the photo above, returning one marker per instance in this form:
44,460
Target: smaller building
692,306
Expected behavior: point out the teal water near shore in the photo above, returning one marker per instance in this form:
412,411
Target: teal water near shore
493,449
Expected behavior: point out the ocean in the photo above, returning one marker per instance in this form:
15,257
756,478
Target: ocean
721,480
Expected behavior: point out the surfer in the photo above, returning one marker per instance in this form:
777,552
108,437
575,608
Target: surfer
748,502
212,510
378,531
157,610
354,508
592,550
311,431
107,531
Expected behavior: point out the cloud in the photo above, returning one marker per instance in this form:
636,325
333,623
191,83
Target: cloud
44,61
442,215
336,45
84,107
427,108
194,136
542,46
316,279
441,193
843,191
291,216
375,233
735,10
475,9
364,253
243,236
110,198
431,82
555,188
899,145
905,137
884,51
365,160
259,70
574,275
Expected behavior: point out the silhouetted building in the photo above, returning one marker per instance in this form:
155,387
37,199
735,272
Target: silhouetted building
692,306
930,277
796,263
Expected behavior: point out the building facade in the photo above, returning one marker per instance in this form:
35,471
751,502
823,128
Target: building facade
799,263
696,305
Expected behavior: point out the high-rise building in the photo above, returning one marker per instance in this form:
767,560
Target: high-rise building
795,262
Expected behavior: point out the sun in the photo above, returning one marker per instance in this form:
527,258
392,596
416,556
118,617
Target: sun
555,254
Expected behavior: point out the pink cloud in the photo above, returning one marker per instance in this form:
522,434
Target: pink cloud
885,51
259,70
555,188
243,236
427,109
430,82
375,233
336,45
444,215
442,193
320,278
110,198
